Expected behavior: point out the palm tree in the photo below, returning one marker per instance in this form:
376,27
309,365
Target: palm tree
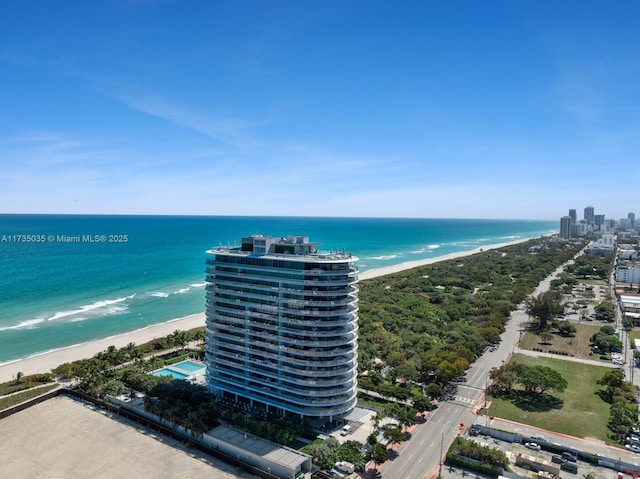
394,435
379,454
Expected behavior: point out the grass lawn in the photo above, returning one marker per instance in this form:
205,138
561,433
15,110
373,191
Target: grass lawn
9,401
576,346
632,336
594,282
582,412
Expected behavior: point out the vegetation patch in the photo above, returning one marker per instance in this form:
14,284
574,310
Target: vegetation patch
327,453
578,345
22,382
476,457
428,324
583,412
14,399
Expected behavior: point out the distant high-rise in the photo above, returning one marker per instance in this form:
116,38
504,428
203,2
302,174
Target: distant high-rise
598,220
573,215
565,227
282,326
632,219
588,214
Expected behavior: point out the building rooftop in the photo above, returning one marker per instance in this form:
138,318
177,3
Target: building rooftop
260,447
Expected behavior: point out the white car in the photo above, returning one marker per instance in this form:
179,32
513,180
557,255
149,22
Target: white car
532,445
632,447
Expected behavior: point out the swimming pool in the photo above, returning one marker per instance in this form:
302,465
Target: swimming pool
190,366
170,372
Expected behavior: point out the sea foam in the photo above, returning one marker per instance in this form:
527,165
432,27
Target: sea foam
89,307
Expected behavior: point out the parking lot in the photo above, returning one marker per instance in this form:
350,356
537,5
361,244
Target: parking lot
532,456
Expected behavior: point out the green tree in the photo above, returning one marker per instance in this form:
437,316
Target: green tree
393,435
539,379
606,311
433,391
544,307
379,454
505,377
422,403
606,342
614,381
565,328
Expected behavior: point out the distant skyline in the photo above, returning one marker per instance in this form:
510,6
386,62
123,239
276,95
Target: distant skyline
495,109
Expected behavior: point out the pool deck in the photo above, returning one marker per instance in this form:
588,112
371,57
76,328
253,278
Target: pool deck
179,373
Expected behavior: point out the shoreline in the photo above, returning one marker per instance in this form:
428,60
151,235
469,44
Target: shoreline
44,362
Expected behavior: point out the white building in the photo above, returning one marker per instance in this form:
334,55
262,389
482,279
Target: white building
627,252
603,246
282,323
628,272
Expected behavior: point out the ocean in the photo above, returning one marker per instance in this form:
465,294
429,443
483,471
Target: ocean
69,279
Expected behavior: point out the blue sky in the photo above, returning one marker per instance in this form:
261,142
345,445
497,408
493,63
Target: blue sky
466,109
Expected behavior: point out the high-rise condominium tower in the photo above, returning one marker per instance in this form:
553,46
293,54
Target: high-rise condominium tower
632,219
589,214
565,227
573,215
282,322
598,220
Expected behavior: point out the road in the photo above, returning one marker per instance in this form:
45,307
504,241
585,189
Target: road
420,456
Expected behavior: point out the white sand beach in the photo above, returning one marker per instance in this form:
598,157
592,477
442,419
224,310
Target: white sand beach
375,273
45,362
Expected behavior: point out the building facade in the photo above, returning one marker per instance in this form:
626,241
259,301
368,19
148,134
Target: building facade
565,227
282,326
628,272
589,214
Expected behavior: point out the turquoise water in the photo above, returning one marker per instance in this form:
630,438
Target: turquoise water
189,366
170,372
150,269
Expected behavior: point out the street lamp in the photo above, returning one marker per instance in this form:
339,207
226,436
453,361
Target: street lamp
441,448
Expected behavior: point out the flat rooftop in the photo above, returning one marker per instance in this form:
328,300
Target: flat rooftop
322,256
260,447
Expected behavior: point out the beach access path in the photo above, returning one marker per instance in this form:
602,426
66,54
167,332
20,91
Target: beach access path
45,362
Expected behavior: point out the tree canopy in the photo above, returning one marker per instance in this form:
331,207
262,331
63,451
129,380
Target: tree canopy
535,380
545,307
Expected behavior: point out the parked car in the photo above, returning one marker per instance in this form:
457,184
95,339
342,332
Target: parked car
532,445
569,467
632,440
632,447
557,459
569,457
